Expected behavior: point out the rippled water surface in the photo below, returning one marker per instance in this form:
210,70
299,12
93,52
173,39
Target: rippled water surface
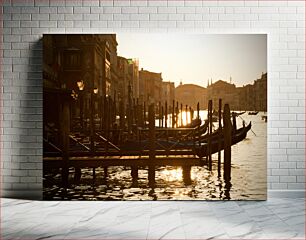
248,177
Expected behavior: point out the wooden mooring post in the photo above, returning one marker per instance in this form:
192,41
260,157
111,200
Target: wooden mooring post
65,129
181,124
227,142
134,174
166,114
176,114
173,113
101,110
81,99
134,114
107,120
234,121
121,114
140,121
159,114
144,114
186,114
209,133
187,175
114,113
162,115
129,110
92,123
105,170
198,110
219,137
151,174
92,131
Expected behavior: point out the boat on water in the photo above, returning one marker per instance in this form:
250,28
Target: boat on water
199,146
253,113
215,115
215,146
194,123
237,113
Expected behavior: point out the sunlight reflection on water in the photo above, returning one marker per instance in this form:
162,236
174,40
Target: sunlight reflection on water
249,178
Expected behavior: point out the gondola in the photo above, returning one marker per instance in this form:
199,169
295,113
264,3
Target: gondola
194,123
198,129
237,113
237,137
200,147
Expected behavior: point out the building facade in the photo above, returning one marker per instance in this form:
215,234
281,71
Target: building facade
260,88
124,79
254,96
167,92
191,94
150,86
133,70
224,90
88,57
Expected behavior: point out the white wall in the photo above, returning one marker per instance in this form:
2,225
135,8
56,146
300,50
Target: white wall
24,22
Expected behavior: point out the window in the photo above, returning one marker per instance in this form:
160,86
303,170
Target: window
72,59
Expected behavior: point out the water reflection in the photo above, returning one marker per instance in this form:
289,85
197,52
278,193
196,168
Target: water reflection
171,175
248,178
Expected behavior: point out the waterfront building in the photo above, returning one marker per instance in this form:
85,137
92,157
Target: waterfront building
168,92
84,64
133,71
90,58
191,94
253,97
124,78
260,88
150,86
224,90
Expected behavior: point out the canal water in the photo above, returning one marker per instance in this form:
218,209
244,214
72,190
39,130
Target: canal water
248,177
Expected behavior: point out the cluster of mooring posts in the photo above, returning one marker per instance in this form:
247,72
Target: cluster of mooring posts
135,135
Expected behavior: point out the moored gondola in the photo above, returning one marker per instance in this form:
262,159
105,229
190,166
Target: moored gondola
237,113
200,147
237,137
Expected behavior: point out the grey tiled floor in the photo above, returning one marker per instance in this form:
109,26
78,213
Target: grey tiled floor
272,219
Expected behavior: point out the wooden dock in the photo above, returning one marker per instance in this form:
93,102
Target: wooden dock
97,140
127,161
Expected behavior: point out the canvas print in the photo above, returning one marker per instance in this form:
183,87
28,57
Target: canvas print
130,116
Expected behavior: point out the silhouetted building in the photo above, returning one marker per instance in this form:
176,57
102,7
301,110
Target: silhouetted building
71,59
247,98
168,92
124,78
150,86
260,86
191,94
87,57
111,43
224,90
253,97
133,66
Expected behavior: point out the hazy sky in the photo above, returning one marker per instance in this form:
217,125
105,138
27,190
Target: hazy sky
195,58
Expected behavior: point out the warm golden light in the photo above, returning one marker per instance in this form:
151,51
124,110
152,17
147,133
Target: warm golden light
96,90
184,118
172,175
